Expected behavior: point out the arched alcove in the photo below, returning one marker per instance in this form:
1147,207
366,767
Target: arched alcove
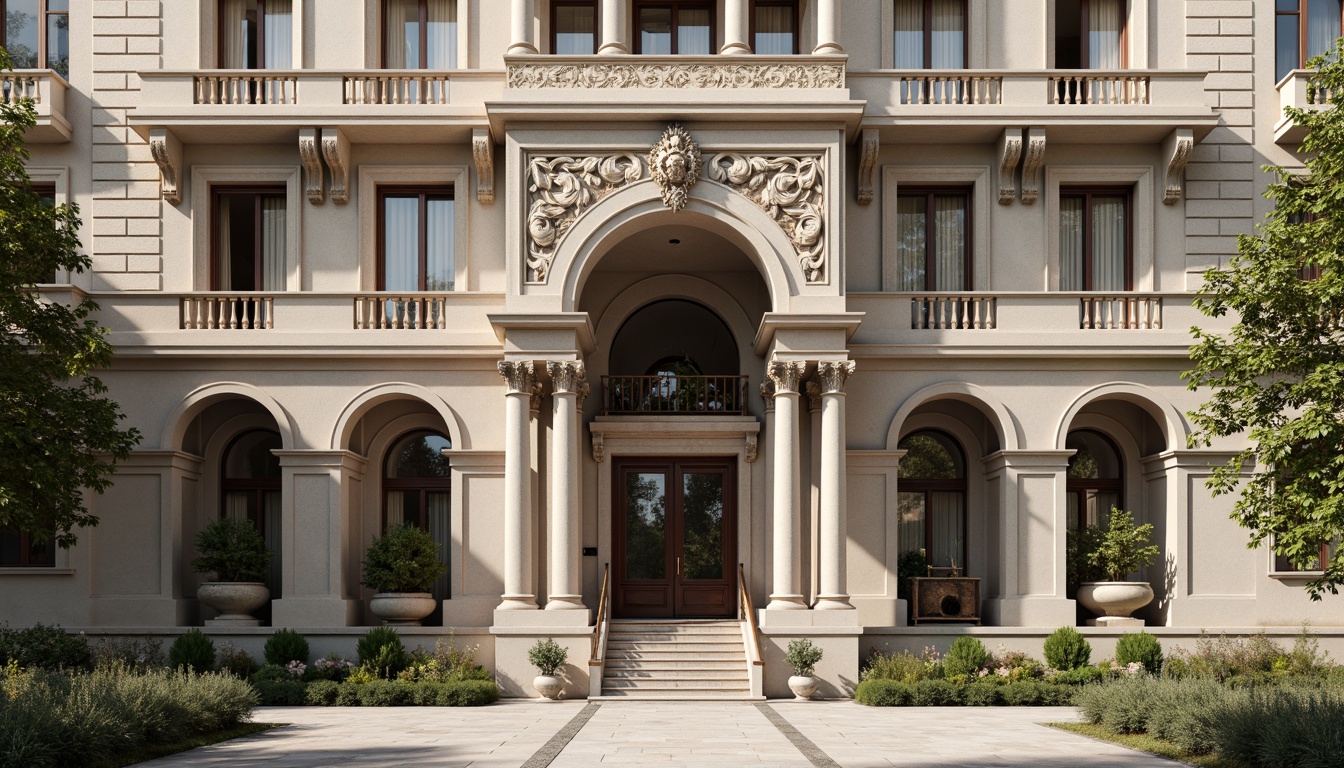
677,336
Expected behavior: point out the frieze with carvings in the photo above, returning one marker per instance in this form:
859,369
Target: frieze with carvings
560,189
792,191
690,75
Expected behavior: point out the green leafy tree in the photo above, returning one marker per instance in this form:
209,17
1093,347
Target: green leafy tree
1277,377
59,435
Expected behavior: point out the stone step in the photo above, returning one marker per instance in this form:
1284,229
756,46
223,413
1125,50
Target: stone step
678,629
644,645
674,685
665,655
637,695
668,666
737,678
681,637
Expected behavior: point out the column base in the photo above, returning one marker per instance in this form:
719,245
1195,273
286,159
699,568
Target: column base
610,49
833,603
521,48
565,603
787,603
517,603
828,48
735,49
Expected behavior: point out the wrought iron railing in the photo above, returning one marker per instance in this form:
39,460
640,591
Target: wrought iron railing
671,394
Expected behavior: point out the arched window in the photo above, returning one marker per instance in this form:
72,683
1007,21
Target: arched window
250,486
932,499
417,489
1094,479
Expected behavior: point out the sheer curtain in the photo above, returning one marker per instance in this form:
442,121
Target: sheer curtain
949,232
273,261
1323,26
949,530
949,39
774,30
441,34
223,245
439,246
279,35
396,508
1071,243
233,37
1108,243
909,38
910,245
910,528
1105,22
235,505
575,30
439,515
693,32
401,231
401,34
655,31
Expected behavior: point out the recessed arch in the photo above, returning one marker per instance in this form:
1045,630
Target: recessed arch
1166,417
382,393
684,287
978,397
175,427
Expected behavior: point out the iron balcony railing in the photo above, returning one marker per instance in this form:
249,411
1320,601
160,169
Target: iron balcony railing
673,395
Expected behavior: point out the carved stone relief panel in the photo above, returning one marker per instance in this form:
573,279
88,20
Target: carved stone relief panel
792,191
559,190
669,75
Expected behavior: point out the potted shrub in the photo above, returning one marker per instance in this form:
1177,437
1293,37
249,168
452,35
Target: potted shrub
1122,549
803,656
548,657
232,550
401,567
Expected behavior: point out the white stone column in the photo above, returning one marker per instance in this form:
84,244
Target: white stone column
828,27
613,27
735,26
517,486
563,588
784,594
521,27
832,595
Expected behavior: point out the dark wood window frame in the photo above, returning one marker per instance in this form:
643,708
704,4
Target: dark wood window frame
1283,566
931,486
1079,486
1302,29
424,485
1083,50
797,20
930,249
258,192
597,19
928,33
1087,193
26,558
257,486
42,28
677,6
425,193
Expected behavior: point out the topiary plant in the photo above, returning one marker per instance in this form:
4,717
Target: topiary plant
232,549
966,657
1140,647
1066,649
547,656
285,646
380,649
404,559
193,650
803,656
1123,548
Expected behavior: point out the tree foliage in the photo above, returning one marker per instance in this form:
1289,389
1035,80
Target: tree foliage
1277,377
58,433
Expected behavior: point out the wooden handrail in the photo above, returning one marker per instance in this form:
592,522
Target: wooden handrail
748,615
600,627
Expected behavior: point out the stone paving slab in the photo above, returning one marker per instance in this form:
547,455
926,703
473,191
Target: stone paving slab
513,733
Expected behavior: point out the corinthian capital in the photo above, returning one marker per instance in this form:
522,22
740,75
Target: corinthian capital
833,374
566,375
518,375
786,374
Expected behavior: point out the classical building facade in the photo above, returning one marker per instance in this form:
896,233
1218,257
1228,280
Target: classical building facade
666,307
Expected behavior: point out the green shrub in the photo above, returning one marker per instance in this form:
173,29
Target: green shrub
1036,693
233,550
404,559
903,666
277,686
878,692
1124,547
1279,728
1141,648
44,647
193,650
285,646
1079,676
1122,705
467,693
235,661
934,693
135,653
380,649
1176,713
322,693
447,663
334,668
547,656
1066,649
1236,660
982,694
802,656
1079,547
385,693
909,564
348,694
966,657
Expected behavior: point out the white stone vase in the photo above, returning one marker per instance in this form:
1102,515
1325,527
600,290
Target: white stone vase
235,601
803,686
402,609
1114,598
549,686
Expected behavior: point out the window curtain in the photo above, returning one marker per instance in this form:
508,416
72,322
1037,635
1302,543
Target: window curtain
396,508
575,30
401,231
949,25
279,52
1098,506
1108,244
909,39
439,516
235,505
441,34
910,528
224,244
270,533
1105,21
439,246
910,245
693,32
949,529
273,261
1323,26
655,31
233,20
401,34
949,233
774,30
1071,243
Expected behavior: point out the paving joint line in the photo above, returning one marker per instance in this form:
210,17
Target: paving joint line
552,749
811,751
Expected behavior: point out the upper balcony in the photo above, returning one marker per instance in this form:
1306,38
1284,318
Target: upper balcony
47,90
1299,90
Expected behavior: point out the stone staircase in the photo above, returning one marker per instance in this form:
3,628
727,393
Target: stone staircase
675,659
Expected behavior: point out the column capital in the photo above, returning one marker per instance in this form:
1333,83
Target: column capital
832,375
566,376
786,375
518,375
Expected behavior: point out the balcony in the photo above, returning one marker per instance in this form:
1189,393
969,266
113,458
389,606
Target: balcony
670,395
1298,90
376,105
1077,106
47,90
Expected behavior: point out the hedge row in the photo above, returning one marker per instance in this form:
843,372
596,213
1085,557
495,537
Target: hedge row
945,693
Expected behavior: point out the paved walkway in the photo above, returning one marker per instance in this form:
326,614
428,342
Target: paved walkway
570,734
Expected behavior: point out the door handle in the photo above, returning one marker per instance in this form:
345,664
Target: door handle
678,566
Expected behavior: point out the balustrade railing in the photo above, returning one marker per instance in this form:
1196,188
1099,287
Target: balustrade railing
952,312
1120,313
950,89
715,395
396,89
16,87
411,312
1099,89
247,89
249,313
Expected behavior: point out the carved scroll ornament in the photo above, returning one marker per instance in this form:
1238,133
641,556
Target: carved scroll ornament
560,190
791,191
658,75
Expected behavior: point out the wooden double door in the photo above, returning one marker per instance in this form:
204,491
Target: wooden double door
675,537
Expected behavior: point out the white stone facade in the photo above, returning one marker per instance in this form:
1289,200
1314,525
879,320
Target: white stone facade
561,231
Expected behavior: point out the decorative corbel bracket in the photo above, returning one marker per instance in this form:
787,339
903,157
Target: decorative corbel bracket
483,151
1010,152
599,450
311,157
336,151
1031,166
167,152
869,144
1176,150
751,449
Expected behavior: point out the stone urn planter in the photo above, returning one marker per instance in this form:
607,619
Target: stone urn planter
235,601
402,609
803,686
549,686
1114,601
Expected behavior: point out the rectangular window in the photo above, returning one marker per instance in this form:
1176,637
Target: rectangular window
420,34
1304,29
1090,34
415,239
1283,565
36,34
574,27
674,28
249,234
930,34
933,251
48,194
256,34
1095,233
774,27
21,549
